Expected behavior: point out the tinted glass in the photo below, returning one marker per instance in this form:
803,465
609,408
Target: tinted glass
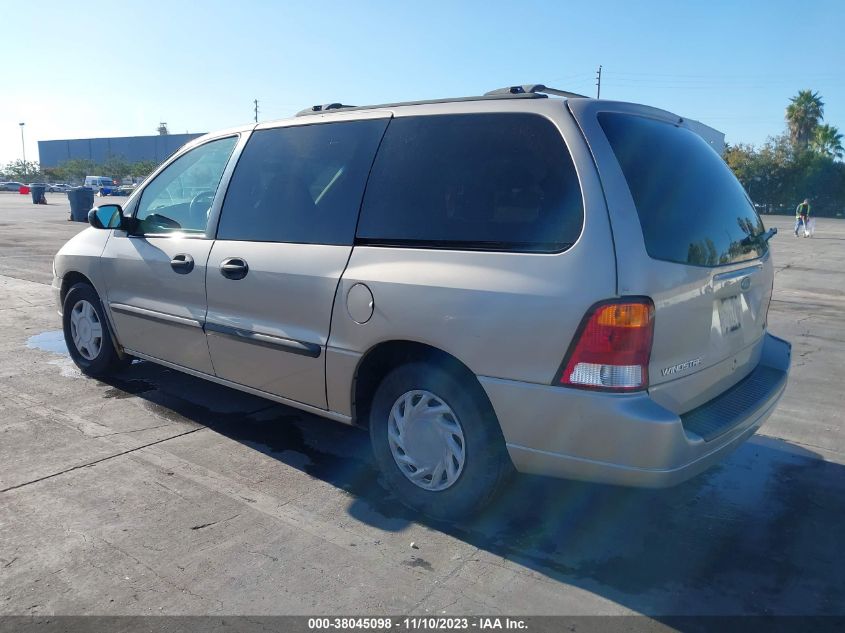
691,207
481,181
180,197
301,184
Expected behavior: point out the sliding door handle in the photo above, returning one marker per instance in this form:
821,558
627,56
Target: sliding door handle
234,268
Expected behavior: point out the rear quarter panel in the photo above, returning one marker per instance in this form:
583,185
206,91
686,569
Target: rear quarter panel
683,295
504,315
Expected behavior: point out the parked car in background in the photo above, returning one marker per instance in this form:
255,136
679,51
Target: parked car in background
123,190
60,187
11,186
490,283
100,184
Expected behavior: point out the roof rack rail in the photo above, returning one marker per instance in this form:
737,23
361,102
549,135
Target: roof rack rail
528,91
535,88
316,109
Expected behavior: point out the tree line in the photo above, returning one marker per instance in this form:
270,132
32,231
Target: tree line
803,162
73,171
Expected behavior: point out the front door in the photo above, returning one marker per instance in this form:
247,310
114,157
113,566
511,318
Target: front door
155,275
285,235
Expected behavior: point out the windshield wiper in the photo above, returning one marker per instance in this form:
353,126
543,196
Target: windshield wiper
759,238
769,234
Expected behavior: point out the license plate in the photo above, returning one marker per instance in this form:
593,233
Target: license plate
730,313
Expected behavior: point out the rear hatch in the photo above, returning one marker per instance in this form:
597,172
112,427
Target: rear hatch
687,236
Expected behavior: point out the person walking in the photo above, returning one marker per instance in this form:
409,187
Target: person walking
802,217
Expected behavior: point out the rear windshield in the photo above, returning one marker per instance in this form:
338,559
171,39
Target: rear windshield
691,207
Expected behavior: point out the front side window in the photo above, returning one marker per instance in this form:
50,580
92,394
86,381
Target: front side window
301,184
480,181
691,208
180,197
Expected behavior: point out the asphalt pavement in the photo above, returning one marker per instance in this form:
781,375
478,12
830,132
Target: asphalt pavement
159,493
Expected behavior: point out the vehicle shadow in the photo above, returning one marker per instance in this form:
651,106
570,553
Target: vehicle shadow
759,534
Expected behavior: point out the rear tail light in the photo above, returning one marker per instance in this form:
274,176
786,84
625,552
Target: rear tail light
612,347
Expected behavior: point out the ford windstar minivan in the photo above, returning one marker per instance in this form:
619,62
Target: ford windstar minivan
527,280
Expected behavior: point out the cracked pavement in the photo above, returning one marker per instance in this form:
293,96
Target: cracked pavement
158,493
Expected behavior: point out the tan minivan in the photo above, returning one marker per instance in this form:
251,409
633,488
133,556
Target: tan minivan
556,285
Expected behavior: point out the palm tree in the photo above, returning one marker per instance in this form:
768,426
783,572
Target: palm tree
828,141
803,115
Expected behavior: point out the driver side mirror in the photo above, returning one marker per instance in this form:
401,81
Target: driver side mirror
107,216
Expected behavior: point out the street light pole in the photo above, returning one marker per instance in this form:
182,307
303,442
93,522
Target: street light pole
23,149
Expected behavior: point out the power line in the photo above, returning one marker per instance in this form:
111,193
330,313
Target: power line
706,84
723,75
571,77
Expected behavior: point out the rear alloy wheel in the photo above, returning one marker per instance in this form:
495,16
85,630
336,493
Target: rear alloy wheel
86,331
437,441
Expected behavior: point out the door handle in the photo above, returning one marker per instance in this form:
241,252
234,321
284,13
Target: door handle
234,268
182,263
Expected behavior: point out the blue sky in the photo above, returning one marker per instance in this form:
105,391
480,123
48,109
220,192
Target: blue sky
110,69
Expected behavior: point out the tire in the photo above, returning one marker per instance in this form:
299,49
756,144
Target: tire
485,465
94,355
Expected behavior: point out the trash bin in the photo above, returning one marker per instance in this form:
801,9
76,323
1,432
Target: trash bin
38,196
23,190
81,202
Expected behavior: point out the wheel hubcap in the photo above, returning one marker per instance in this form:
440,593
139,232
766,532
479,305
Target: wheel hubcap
86,330
426,440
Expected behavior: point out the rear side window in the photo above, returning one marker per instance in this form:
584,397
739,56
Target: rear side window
301,184
691,207
481,181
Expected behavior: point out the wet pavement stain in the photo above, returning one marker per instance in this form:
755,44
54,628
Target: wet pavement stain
599,536
734,538
418,562
52,341
334,453
127,388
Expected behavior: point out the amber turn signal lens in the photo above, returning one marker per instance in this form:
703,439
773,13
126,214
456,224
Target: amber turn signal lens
625,315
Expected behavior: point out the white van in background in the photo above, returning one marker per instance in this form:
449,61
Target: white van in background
102,185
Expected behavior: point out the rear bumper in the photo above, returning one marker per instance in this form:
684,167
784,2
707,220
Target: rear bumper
629,439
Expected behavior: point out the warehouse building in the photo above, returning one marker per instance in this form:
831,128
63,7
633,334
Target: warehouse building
129,148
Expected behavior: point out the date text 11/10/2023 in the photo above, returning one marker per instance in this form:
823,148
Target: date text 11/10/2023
421,623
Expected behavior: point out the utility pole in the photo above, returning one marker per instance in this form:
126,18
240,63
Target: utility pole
23,150
598,83
256,110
